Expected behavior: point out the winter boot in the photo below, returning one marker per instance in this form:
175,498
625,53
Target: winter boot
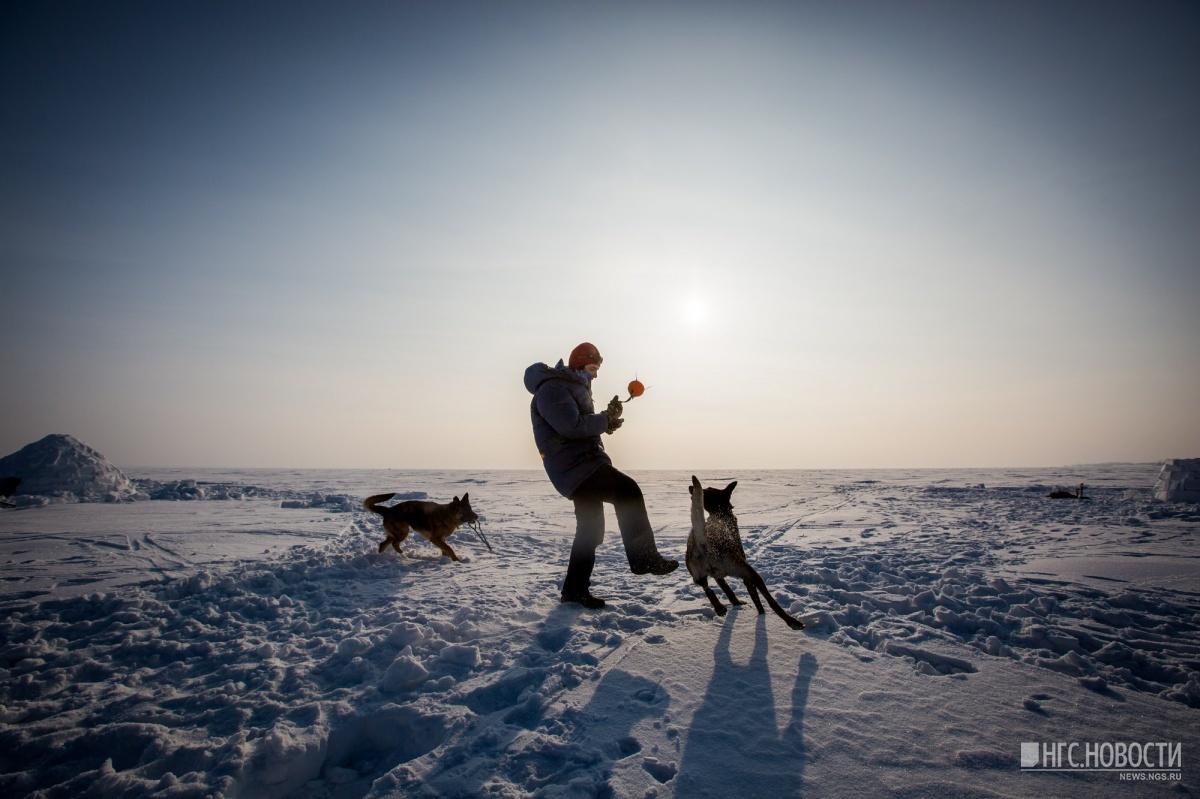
584,598
654,564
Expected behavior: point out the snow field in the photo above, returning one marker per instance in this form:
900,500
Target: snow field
329,670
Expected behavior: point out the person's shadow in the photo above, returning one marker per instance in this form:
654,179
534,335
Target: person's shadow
593,737
734,747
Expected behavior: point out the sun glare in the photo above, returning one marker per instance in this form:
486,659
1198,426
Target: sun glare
694,311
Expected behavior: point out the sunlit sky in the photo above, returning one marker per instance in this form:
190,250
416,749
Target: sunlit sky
824,235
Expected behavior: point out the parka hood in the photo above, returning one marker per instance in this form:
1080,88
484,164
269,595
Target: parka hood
539,373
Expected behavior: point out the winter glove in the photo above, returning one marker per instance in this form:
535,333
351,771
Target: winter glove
615,408
613,412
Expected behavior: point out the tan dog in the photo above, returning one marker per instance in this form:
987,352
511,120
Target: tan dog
714,549
433,521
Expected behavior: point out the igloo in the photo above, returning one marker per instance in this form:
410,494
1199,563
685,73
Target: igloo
61,464
1179,481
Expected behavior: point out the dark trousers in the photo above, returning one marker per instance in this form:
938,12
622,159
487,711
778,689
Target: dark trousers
607,485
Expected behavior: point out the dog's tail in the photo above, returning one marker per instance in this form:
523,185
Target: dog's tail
370,502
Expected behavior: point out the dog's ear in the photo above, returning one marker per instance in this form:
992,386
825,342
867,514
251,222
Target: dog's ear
464,499
729,488
455,501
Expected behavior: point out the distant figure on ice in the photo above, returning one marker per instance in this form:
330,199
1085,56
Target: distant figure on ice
567,429
1068,495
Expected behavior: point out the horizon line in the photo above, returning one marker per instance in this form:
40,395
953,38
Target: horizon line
653,469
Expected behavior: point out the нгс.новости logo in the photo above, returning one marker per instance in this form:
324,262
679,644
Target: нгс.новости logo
1151,760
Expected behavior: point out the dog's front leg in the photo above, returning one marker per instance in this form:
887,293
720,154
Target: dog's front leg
733,600
446,550
712,596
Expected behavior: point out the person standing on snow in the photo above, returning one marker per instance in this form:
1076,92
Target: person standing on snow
567,429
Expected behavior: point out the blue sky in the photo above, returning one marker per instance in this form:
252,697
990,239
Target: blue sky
824,235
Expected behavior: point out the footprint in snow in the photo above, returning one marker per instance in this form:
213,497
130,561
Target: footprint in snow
1033,703
627,747
663,772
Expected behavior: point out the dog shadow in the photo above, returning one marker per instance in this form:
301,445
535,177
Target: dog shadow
734,740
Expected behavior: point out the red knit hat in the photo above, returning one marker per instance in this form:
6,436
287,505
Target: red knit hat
584,354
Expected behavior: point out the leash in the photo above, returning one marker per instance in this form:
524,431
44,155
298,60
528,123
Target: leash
478,528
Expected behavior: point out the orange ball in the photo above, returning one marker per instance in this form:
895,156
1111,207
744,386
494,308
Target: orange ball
636,389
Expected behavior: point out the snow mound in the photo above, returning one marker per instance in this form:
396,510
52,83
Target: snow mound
189,490
1179,481
64,467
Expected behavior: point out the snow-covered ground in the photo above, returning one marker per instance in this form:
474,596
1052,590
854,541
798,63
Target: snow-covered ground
237,648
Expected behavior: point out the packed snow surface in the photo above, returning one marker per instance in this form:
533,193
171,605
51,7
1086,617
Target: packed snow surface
235,647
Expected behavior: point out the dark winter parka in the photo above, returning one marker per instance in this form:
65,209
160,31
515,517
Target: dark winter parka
566,427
